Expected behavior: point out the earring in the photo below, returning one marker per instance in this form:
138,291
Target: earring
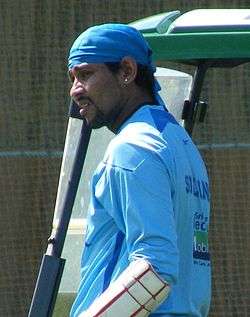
126,80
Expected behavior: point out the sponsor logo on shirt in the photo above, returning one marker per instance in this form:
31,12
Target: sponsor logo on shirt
197,187
200,241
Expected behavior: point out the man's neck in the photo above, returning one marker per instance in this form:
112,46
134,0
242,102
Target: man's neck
132,105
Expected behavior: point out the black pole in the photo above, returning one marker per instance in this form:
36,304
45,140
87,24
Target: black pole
52,265
191,105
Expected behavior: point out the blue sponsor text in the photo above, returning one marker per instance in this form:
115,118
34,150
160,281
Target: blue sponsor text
197,187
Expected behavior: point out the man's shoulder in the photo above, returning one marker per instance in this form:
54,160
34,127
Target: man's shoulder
137,142
123,152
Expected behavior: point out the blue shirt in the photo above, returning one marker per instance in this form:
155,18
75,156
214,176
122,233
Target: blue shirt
150,198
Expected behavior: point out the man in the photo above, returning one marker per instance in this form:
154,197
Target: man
146,250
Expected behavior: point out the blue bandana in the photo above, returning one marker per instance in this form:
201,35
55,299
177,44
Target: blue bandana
110,43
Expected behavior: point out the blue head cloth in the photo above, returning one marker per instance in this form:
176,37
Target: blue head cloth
110,43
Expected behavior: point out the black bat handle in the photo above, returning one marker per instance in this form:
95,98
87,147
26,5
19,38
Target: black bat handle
47,286
52,265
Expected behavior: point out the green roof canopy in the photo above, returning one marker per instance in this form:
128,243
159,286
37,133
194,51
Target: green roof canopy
221,37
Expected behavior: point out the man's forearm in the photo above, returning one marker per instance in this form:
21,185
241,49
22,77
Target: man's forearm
136,292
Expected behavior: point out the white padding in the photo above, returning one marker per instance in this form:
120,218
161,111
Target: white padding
136,292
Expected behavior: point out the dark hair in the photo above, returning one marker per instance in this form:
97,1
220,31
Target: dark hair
144,77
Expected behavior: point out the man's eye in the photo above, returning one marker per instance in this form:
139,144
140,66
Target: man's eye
83,75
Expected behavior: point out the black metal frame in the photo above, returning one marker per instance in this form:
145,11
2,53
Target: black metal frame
193,105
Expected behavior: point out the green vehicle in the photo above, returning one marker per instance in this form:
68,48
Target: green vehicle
203,38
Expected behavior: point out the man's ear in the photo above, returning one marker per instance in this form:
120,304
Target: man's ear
128,70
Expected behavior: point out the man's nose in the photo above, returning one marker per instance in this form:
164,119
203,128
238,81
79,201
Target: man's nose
77,88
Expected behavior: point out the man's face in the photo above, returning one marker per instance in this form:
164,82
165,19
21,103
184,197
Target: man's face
97,91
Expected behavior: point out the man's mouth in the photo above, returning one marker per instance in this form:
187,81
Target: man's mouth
83,104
